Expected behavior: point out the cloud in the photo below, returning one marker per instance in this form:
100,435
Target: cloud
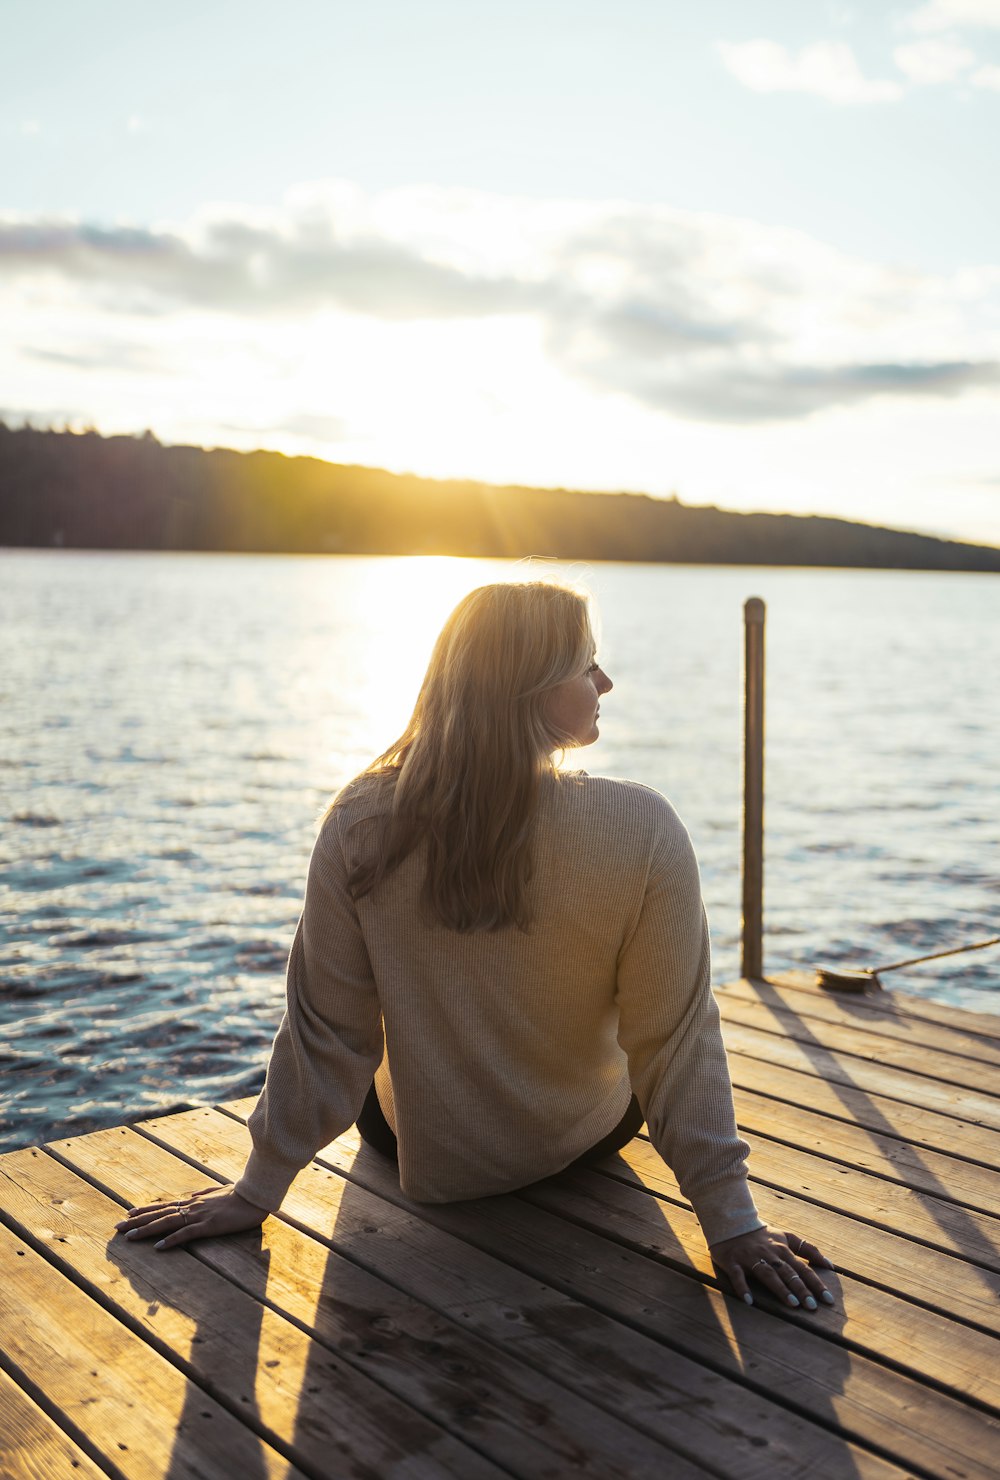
785,393
135,358
986,77
946,15
701,316
233,263
315,426
935,60
826,69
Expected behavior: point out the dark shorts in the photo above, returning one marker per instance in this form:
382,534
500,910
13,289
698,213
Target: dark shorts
378,1133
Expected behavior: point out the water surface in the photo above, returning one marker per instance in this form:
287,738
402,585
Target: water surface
172,724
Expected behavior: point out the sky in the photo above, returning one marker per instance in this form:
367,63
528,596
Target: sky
747,254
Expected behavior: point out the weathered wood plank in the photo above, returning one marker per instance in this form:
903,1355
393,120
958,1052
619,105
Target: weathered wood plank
903,1004
514,1415
809,1365
914,1124
973,1237
860,1040
836,1353
261,1367
967,1106
949,1177
140,1413
845,1012
32,1446
652,1386
960,1292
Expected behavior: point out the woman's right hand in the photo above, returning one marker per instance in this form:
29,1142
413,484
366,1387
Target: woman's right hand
207,1213
780,1262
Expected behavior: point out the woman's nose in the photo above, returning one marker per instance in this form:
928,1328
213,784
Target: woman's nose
604,684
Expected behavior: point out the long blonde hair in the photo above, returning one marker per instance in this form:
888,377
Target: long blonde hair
469,764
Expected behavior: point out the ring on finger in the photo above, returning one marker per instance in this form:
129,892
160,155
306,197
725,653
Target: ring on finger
761,1260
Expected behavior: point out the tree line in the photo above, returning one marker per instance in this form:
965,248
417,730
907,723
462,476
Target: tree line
85,491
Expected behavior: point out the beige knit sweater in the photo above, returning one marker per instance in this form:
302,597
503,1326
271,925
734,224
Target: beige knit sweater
508,1054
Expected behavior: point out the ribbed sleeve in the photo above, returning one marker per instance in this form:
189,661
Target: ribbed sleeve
669,1029
330,1039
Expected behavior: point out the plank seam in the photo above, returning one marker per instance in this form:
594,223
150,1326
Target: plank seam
947,1197
848,1119
905,1004
691,1456
990,1410
263,1301
248,1419
862,1279
725,995
528,1360
62,1421
472,1336
810,1041
760,1390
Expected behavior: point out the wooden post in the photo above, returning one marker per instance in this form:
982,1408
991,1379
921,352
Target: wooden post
753,790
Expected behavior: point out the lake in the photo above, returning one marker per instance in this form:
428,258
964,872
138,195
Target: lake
173,724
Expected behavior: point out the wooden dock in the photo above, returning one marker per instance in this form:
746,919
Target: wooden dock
573,1329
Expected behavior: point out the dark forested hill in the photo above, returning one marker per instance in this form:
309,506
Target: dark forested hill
84,491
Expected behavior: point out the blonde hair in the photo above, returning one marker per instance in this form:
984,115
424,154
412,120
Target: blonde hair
469,764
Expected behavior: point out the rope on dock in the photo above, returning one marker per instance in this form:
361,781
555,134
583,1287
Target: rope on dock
856,981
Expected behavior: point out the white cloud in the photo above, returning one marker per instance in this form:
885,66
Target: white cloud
936,60
701,317
986,77
826,69
136,125
946,15
30,127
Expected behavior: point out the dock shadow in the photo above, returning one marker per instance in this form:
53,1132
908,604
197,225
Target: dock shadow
973,1247
241,1358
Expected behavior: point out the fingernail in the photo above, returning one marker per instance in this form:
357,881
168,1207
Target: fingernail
828,1265
132,1233
122,1223
748,1298
793,1300
810,1303
827,1297
161,1244
132,1212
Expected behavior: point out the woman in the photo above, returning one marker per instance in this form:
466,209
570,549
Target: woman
501,968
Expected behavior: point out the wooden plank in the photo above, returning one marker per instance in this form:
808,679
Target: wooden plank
904,1004
301,1397
32,1446
865,1042
920,1424
914,1124
516,1416
912,1272
963,1182
140,1413
964,1105
973,1237
657,1389
775,1002
811,1365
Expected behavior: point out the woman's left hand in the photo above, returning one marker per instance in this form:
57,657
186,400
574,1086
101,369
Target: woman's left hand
779,1261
